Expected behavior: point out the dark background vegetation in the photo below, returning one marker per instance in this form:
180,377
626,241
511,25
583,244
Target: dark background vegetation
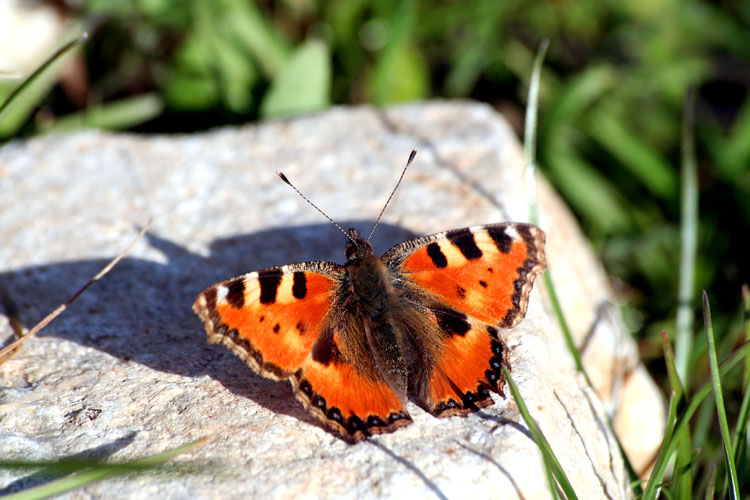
613,86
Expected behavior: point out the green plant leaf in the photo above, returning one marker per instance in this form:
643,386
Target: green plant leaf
114,115
303,84
244,21
401,73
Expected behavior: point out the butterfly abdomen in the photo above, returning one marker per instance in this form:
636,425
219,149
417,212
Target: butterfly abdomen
371,303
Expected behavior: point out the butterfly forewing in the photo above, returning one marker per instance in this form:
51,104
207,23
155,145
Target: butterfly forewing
271,318
486,272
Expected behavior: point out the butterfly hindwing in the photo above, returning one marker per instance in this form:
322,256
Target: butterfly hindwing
271,318
340,384
466,366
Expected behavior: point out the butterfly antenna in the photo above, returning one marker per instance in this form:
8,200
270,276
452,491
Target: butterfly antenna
411,159
284,178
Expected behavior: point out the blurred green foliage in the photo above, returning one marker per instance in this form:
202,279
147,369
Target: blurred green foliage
609,125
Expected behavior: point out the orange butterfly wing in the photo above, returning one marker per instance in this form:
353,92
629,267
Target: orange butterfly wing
271,318
468,282
283,322
341,385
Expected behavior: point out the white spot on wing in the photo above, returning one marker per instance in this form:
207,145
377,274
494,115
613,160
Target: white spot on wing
511,231
221,294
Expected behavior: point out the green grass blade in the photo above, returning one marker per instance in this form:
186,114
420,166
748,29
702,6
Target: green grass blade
529,149
589,192
93,473
567,335
711,483
674,378
689,239
746,327
530,127
657,473
548,455
739,445
5,106
719,397
577,95
740,430
668,446
643,162
529,132
683,482
473,49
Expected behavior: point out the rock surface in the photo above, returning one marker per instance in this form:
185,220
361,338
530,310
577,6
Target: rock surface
126,372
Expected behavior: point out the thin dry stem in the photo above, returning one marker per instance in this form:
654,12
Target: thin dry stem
8,351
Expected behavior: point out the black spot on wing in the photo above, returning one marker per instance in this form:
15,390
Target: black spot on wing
299,287
395,417
502,241
335,415
269,281
319,402
451,321
355,425
524,231
437,256
326,350
236,293
210,297
375,421
306,388
463,239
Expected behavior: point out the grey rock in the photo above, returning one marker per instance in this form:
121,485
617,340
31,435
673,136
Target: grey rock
126,372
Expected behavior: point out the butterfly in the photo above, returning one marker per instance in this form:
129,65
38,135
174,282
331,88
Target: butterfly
357,340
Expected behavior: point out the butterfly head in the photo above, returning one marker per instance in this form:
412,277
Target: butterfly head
357,247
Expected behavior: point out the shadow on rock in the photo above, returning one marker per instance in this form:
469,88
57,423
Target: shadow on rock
142,310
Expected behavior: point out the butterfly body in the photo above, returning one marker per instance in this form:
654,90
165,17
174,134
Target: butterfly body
357,340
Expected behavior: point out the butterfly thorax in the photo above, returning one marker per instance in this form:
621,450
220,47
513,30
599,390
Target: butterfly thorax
369,277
